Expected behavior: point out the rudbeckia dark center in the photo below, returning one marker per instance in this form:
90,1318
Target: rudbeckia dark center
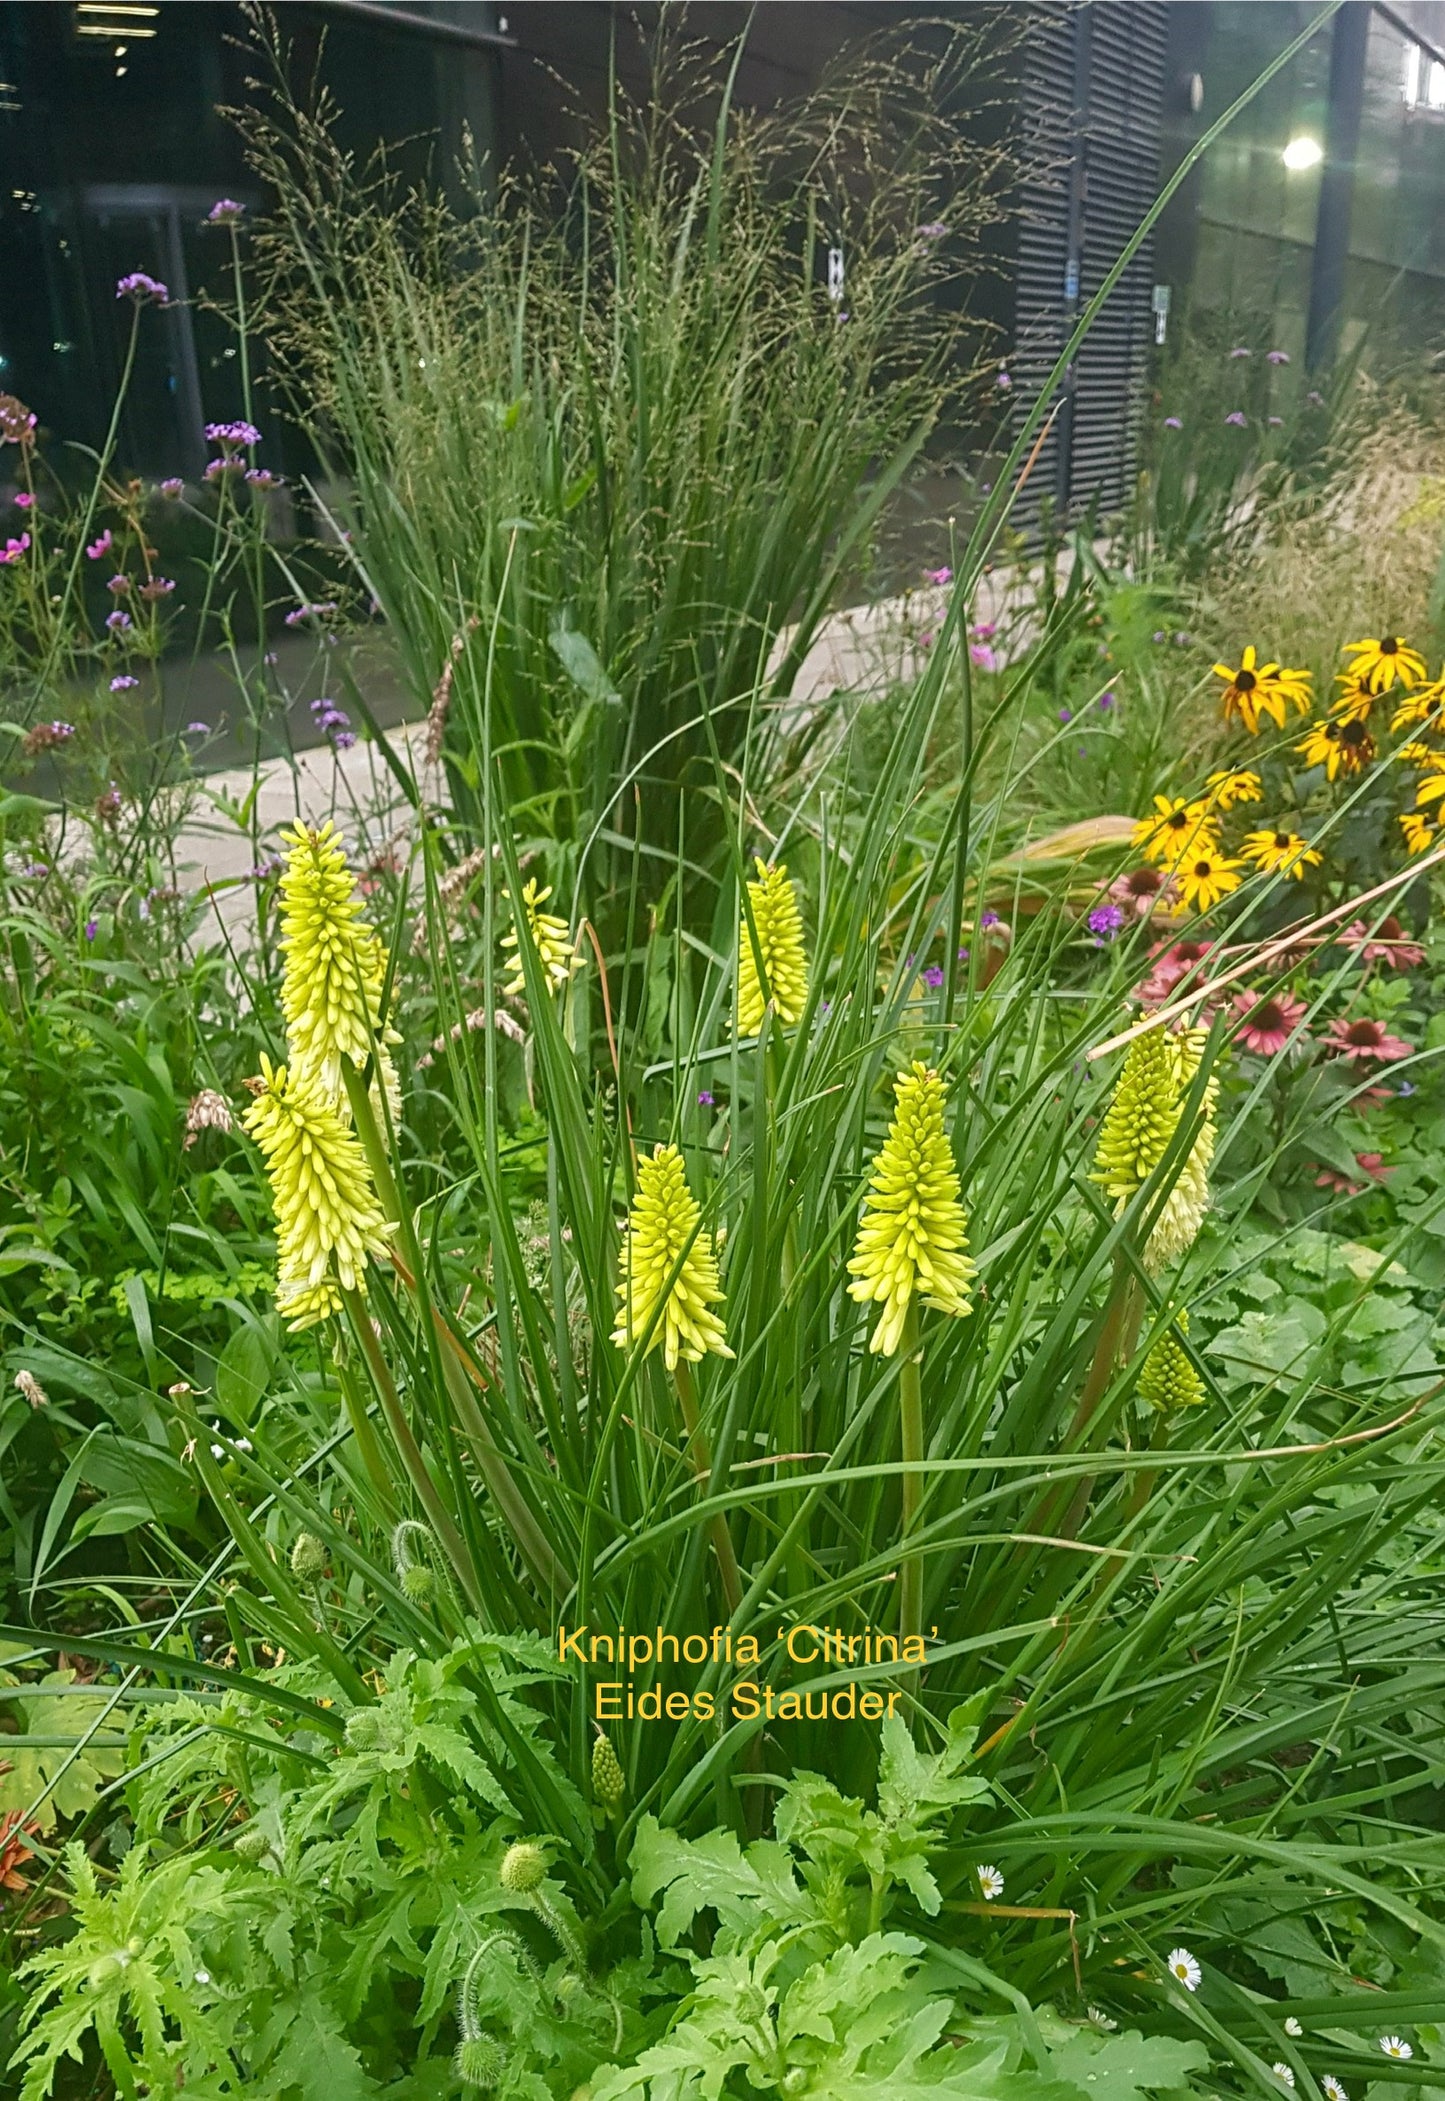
1203,868
1388,645
1364,1032
1245,681
1281,840
1355,733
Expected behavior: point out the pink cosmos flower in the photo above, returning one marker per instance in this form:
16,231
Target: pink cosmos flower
1364,1040
99,549
1389,944
22,500
983,656
15,549
1266,1025
939,576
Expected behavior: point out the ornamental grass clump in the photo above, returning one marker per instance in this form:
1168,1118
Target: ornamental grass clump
772,959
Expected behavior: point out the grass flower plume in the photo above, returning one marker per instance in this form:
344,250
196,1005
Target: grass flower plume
327,1217
656,1273
556,950
779,943
913,1238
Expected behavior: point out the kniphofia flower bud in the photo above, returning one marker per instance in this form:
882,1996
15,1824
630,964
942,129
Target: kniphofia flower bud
778,927
1168,1380
676,1308
327,1217
913,1238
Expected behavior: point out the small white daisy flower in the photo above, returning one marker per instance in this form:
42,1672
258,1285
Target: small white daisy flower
1292,2026
990,1883
1099,2019
1332,2089
1184,1969
1396,2046
1283,2071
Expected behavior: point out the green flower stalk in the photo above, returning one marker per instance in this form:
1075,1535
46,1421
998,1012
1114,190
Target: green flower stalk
774,942
328,1220
665,1221
1138,1128
913,1240
609,1785
556,950
912,1244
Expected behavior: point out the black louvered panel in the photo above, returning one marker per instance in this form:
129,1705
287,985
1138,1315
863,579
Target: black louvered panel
1047,153
1126,61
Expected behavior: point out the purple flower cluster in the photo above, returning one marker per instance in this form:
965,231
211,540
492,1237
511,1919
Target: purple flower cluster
118,586
1105,922
262,478
100,548
123,683
333,722
117,621
1238,418
310,612
933,977
15,550
230,434
143,289
706,1100
225,212
157,587
172,487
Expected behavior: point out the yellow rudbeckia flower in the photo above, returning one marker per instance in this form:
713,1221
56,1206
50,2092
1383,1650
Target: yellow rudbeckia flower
1281,853
1380,661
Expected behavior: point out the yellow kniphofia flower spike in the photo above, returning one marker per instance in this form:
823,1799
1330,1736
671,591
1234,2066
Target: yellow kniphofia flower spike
334,966
913,1240
676,1309
779,929
328,1220
1138,1126
556,950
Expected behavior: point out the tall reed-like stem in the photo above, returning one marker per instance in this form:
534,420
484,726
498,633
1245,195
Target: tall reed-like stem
910,1424
697,1445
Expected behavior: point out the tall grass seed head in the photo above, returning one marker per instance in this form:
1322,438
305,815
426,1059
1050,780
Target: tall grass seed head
556,950
778,927
913,1239
665,1221
334,963
328,1220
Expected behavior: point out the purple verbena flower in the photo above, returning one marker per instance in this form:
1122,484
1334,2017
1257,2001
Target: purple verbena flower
197,729
705,1100
157,587
91,929
1066,714
224,212
117,621
1003,381
229,434
1240,351
142,288
988,919
1106,920
1105,701
1277,357
36,868
262,478
1173,423
933,977
123,682
963,955
172,487
1238,418
118,585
